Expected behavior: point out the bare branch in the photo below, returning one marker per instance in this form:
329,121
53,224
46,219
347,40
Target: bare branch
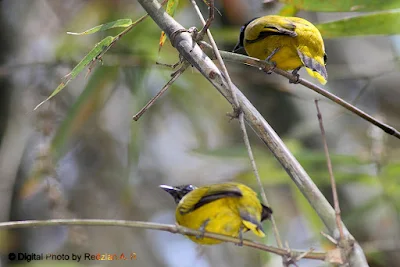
240,118
161,227
331,177
175,76
265,66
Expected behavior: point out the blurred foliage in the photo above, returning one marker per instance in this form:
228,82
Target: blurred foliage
343,5
186,137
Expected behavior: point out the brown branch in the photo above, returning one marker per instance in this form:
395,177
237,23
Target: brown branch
264,65
175,76
331,177
175,229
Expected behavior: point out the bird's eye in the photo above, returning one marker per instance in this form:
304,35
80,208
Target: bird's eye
325,58
190,188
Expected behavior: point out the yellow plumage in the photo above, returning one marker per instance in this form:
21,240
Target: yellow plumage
228,209
290,42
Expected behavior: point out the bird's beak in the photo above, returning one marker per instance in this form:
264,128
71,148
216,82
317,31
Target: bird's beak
168,188
173,191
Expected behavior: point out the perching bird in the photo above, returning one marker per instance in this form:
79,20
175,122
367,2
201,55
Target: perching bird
289,42
227,208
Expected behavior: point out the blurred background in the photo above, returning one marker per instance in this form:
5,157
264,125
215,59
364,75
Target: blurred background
80,155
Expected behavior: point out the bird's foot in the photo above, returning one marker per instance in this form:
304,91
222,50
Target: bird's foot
202,229
240,237
296,78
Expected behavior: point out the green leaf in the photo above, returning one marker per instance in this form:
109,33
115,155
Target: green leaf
384,23
121,23
288,11
99,49
343,5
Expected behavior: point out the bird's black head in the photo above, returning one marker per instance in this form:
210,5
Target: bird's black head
265,213
178,192
240,43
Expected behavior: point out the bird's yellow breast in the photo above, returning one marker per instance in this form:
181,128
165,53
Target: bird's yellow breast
228,215
286,58
220,216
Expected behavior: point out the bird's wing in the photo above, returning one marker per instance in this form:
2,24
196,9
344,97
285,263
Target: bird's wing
203,195
281,27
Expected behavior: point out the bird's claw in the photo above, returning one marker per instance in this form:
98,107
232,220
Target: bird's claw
295,79
271,67
202,229
240,244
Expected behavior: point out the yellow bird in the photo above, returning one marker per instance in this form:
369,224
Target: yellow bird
289,42
227,208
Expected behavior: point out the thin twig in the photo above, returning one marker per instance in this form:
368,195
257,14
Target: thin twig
175,76
207,24
157,226
331,177
264,65
241,118
329,238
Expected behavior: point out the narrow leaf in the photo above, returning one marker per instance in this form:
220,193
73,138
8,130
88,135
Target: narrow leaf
163,37
121,23
383,23
171,8
93,55
288,11
343,5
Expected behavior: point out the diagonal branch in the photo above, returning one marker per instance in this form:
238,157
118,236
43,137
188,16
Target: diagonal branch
264,65
240,118
184,43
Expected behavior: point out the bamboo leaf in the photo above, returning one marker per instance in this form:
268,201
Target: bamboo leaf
288,11
92,56
121,23
383,23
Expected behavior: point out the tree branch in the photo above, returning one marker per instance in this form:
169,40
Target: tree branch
167,228
184,43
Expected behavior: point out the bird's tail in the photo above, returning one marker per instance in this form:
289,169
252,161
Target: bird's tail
255,228
315,67
251,223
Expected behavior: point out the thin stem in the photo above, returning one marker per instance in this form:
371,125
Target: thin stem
331,177
175,76
207,24
263,65
161,227
241,117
